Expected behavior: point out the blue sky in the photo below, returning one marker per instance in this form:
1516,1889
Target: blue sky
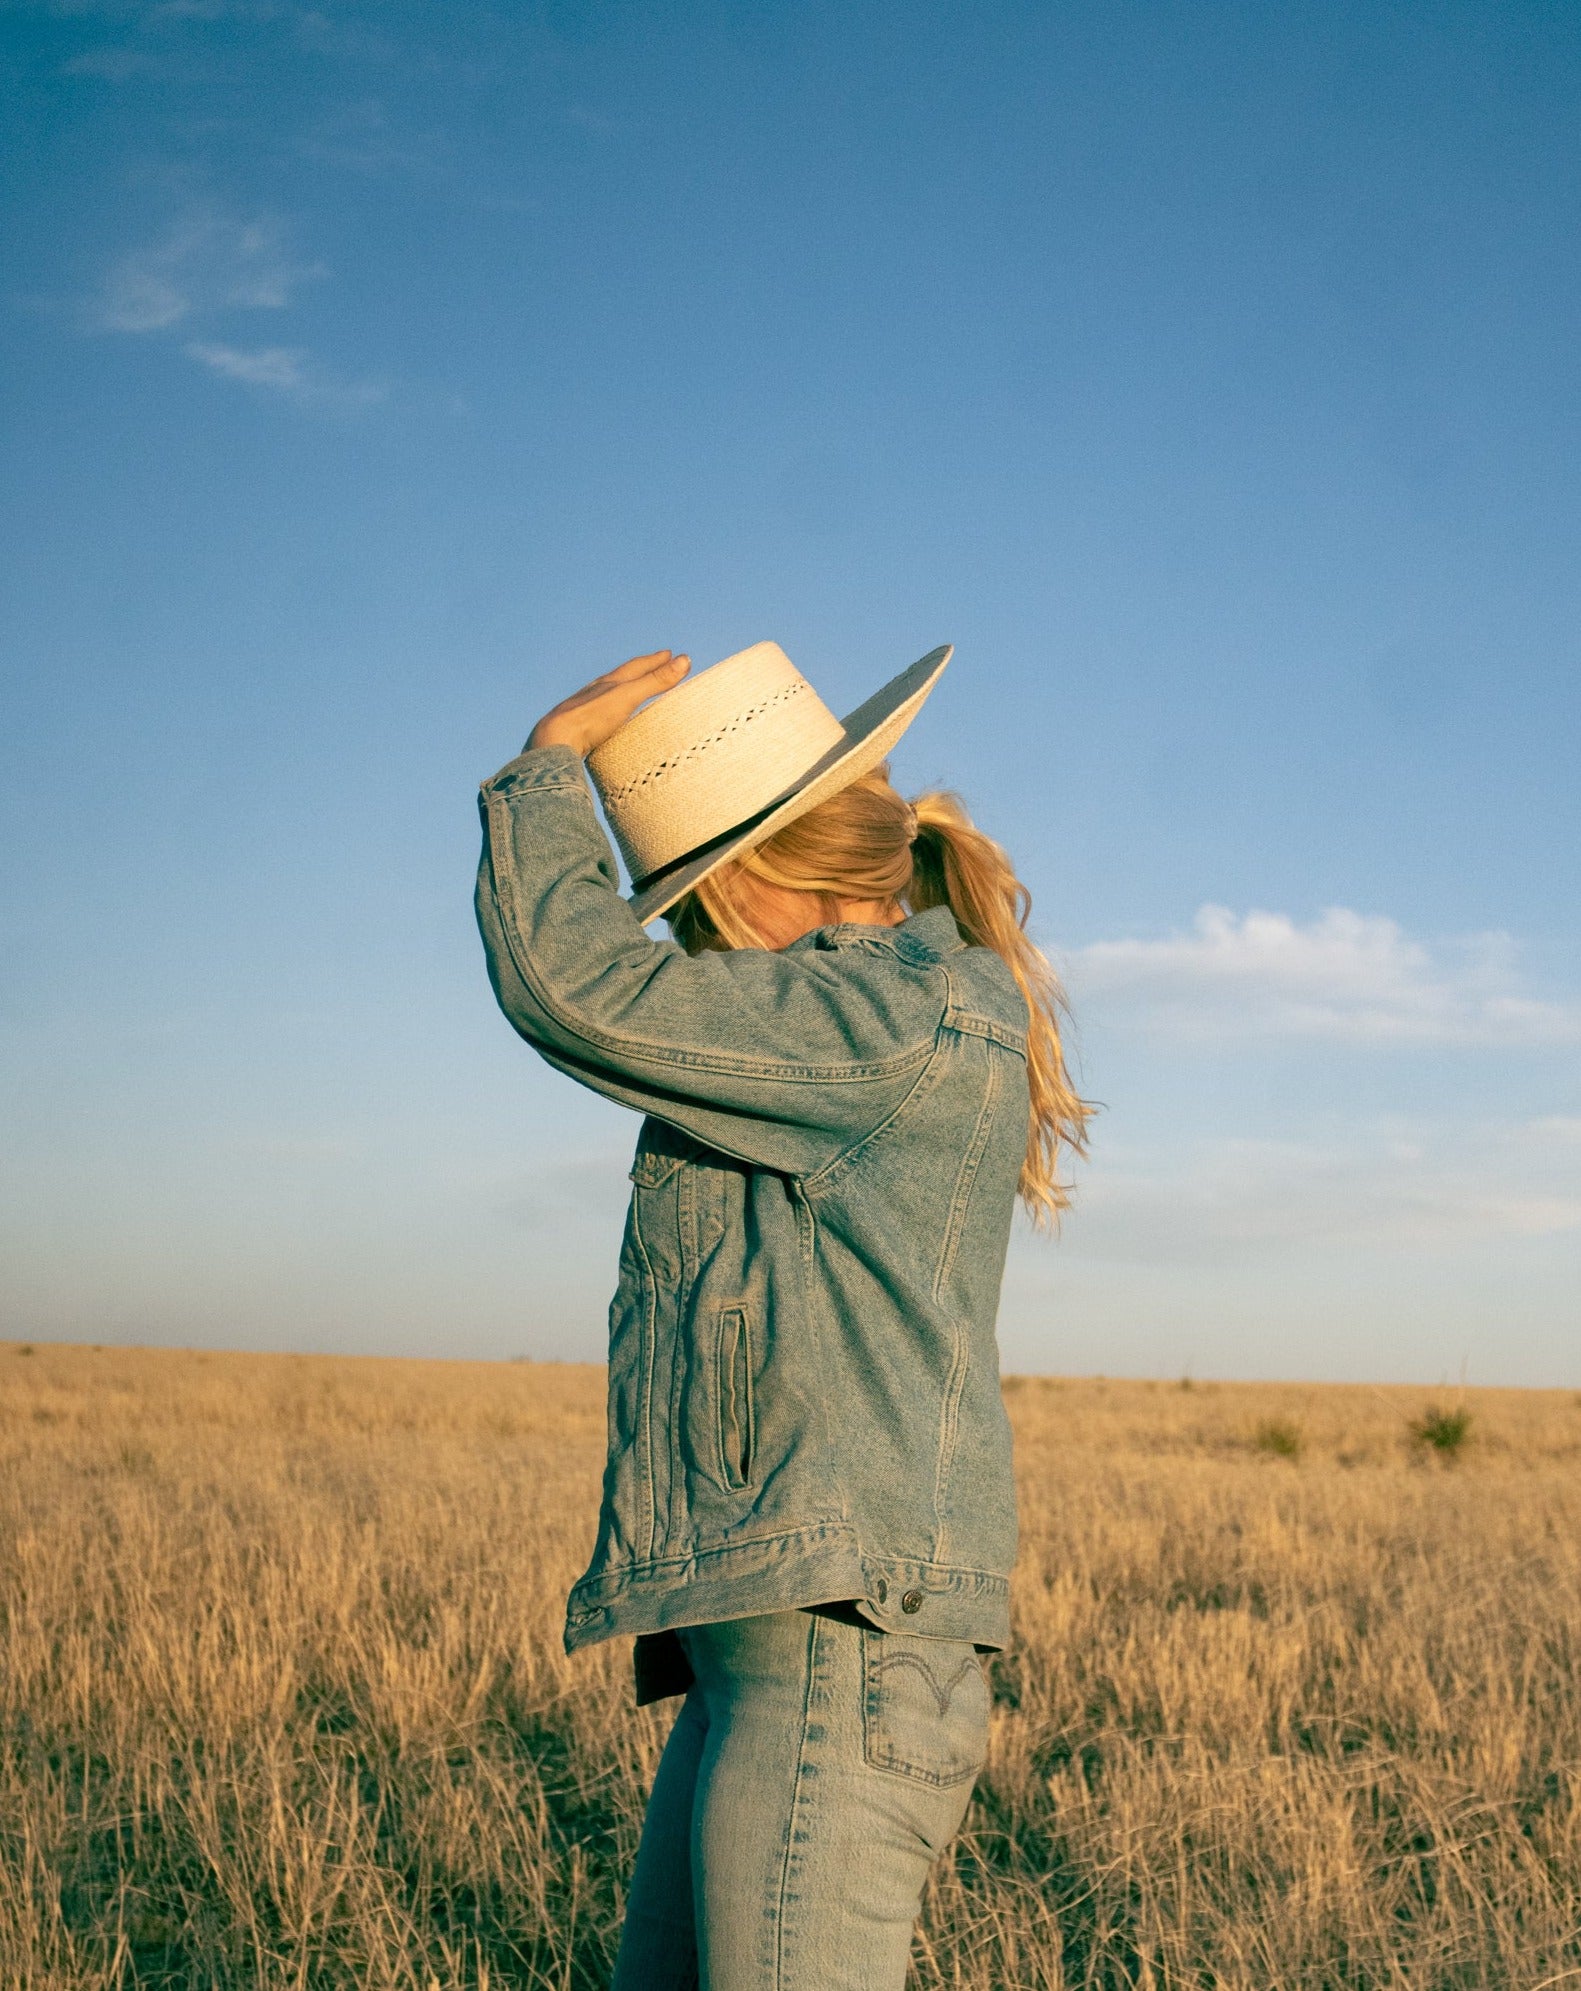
1207,374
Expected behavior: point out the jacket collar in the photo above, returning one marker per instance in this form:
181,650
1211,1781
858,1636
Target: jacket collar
923,937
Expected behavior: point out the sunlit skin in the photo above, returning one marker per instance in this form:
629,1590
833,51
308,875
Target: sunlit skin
586,719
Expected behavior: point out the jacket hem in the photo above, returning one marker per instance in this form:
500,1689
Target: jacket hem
819,1565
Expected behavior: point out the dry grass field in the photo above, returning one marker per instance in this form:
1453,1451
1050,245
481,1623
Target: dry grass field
1295,1699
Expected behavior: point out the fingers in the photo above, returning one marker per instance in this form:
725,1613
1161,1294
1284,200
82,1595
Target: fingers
588,717
625,696
650,664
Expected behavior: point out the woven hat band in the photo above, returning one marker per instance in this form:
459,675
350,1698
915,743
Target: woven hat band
708,755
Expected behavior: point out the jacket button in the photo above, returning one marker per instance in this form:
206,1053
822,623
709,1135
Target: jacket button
881,1590
911,1602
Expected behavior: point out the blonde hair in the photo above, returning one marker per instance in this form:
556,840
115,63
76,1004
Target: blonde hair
868,842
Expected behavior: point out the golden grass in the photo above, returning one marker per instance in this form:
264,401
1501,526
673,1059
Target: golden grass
284,1703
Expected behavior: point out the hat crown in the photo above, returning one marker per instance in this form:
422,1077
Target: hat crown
705,757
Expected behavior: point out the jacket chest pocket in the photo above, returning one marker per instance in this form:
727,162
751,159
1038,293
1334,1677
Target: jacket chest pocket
681,1197
706,1333
656,1206
652,1170
733,1397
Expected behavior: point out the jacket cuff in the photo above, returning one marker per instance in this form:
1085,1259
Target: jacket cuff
538,767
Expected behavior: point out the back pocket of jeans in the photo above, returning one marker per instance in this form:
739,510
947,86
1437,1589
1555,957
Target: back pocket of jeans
925,1708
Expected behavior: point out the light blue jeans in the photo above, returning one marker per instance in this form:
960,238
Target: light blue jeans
816,1771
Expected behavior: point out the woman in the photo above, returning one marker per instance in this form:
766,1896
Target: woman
849,1067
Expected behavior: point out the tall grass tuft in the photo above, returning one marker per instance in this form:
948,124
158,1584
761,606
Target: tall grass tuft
1282,1437
1445,1431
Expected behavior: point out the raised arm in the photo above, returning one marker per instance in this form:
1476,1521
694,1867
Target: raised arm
781,1058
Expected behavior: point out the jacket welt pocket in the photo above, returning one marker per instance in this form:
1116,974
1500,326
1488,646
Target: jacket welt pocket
733,1383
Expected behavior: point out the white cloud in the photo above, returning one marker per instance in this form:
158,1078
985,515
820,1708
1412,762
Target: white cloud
207,261
211,264
141,295
1346,975
284,370
271,366
1414,1189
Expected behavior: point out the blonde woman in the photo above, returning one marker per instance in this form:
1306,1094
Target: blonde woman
849,1068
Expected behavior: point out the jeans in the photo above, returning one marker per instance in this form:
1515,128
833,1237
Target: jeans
817,1769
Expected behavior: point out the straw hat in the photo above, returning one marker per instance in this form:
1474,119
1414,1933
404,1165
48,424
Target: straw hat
717,765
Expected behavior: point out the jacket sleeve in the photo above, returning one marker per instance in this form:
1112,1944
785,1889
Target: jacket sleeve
783,1059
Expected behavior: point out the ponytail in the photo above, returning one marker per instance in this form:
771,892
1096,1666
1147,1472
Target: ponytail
955,865
867,843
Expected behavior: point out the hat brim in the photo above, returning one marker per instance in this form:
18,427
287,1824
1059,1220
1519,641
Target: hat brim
870,733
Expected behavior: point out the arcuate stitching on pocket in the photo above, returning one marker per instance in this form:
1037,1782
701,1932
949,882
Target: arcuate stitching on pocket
879,1743
942,1695
733,1378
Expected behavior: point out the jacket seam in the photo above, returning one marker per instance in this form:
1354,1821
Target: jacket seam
849,934
675,1491
969,1024
807,1237
540,767
795,1834
650,1352
960,1359
966,1176
504,784
856,1150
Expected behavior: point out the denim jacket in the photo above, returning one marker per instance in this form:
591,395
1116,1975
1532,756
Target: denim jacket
804,1396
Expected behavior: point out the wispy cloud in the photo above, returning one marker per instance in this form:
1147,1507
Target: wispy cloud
1400,1188
1346,975
207,261
284,370
194,279
279,367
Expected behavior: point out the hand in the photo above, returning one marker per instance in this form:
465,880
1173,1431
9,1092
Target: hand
586,719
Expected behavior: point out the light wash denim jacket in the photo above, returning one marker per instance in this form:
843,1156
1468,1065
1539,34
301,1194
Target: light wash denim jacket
803,1379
